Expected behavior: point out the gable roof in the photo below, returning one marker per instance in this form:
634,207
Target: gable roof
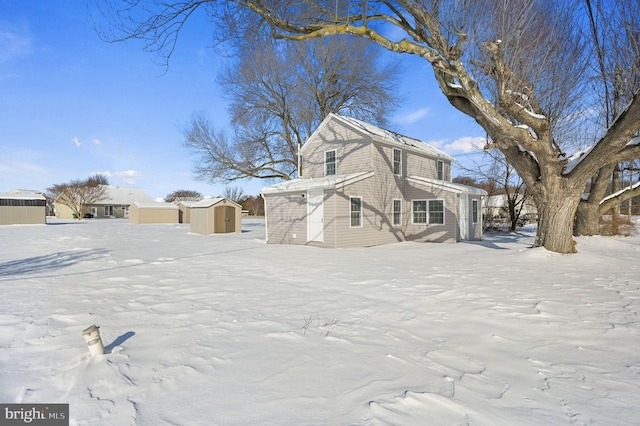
298,185
123,195
208,202
383,135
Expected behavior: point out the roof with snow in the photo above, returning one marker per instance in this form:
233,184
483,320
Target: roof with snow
123,195
299,185
386,136
21,195
208,202
155,205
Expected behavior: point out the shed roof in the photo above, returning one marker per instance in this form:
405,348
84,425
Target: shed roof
21,195
156,205
208,202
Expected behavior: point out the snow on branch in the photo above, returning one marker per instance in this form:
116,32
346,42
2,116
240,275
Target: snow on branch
619,193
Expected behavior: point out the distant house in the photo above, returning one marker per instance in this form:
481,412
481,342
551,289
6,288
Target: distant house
22,207
115,205
362,185
497,207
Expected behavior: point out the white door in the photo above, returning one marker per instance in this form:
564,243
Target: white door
315,215
463,219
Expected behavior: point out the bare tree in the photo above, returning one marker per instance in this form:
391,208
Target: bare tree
255,205
614,28
80,195
519,68
183,195
278,95
234,193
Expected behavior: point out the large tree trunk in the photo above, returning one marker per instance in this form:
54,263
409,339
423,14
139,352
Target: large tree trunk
555,222
586,221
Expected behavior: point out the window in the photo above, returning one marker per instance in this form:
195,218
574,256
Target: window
355,211
474,211
440,169
436,212
419,210
427,211
108,210
330,163
397,161
397,212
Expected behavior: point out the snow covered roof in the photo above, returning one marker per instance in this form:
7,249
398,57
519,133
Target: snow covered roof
208,202
454,187
123,195
326,182
156,205
387,136
21,195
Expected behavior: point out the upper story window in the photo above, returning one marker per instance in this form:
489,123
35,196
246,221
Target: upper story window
355,211
330,162
397,161
440,169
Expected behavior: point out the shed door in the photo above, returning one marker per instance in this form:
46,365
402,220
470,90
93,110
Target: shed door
225,219
315,216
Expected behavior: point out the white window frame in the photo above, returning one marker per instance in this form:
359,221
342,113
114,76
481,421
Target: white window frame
440,169
396,170
335,163
429,212
108,210
393,212
474,211
352,212
413,212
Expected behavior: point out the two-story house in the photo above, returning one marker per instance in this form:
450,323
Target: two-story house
362,185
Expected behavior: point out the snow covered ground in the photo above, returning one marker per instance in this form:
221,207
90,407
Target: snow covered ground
226,330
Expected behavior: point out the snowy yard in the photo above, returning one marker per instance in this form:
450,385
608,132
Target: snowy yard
226,330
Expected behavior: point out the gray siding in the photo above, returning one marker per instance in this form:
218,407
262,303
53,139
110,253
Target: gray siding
353,152
286,218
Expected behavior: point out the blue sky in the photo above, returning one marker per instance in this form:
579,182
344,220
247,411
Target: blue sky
72,105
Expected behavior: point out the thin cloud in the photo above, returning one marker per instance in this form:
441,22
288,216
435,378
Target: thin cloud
13,46
466,144
76,142
128,176
96,141
413,116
